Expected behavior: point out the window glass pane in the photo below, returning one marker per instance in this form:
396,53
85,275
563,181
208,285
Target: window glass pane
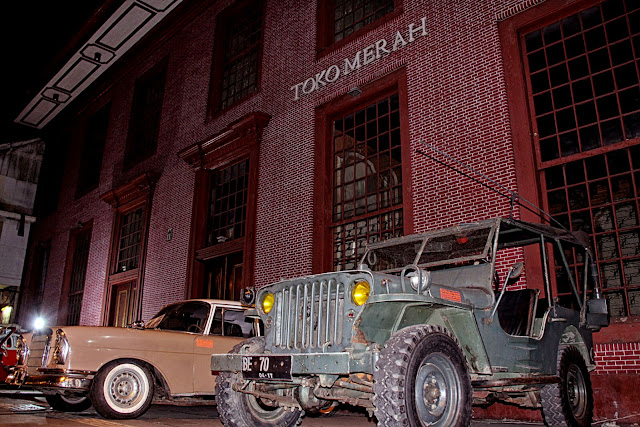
243,37
593,51
598,194
367,180
142,139
351,15
78,275
130,240
228,203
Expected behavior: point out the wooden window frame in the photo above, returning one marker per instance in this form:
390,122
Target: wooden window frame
240,140
135,194
138,114
215,87
68,270
395,82
526,149
36,279
325,21
91,161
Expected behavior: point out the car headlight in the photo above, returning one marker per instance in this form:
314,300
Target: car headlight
267,302
360,292
60,348
22,351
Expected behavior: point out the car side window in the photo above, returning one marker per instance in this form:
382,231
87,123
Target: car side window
230,322
187,317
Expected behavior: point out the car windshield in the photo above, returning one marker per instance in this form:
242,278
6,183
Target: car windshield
445,247
189,316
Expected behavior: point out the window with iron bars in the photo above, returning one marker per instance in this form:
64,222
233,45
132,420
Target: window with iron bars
78,275
584,80
242,33
144,127
367,179
351,15
130,240
228,203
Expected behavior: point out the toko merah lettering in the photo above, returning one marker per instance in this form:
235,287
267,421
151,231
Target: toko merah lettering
363,57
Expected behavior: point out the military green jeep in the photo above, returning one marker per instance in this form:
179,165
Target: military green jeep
428,325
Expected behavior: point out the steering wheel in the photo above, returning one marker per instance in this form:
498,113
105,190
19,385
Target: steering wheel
194,328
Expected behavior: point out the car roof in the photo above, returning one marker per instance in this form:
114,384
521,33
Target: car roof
212,301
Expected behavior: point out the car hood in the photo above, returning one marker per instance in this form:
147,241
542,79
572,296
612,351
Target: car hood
129,339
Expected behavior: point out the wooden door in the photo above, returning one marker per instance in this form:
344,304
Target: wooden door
122,304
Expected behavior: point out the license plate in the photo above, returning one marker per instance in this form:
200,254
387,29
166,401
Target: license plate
266,367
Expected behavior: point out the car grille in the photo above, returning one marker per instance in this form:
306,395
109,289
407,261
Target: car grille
38,353
309,315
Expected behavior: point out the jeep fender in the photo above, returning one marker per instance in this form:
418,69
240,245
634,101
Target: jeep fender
378,321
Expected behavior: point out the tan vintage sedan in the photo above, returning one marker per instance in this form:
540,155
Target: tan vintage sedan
121,370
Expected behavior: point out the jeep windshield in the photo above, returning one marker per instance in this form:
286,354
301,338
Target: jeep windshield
453,245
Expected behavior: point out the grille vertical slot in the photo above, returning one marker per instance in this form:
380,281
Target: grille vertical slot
309,315
38,353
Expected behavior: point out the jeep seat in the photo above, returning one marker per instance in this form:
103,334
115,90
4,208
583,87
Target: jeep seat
516,311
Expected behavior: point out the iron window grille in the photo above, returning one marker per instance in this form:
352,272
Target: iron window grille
78,276
584,80
130,240
367,179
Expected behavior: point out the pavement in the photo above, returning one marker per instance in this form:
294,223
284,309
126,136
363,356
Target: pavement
24,408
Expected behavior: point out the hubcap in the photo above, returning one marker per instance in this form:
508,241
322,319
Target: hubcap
125,388
576,391
436,391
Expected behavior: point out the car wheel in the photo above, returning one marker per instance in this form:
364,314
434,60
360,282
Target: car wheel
569,403
59,402
245,410
422,378
122,390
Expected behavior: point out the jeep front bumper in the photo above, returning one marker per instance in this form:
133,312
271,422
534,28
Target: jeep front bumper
301,364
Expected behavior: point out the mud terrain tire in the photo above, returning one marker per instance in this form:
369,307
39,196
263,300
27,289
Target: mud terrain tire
569,403
245,410
422,378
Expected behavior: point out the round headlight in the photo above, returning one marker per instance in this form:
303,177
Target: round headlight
360,292
60,348
267,302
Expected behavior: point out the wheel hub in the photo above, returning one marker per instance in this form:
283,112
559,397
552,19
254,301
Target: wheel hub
124,389
431,392
576,391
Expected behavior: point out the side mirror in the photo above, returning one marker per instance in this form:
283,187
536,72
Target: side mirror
248,297
516,270
138,324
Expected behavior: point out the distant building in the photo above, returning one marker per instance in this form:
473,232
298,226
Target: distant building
19,170
194,148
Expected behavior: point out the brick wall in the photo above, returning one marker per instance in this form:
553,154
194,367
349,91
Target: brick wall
623,358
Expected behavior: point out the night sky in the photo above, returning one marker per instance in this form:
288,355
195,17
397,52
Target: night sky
38,38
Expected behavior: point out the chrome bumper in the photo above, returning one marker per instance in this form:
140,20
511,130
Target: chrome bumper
52,379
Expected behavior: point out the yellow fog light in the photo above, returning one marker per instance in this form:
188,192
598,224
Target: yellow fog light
360,292
267,302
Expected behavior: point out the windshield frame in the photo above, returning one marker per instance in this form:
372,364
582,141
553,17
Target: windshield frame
491,224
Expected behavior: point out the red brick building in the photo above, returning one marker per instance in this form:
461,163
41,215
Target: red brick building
235,143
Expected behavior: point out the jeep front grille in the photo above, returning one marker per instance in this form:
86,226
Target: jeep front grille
38,353
309,315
